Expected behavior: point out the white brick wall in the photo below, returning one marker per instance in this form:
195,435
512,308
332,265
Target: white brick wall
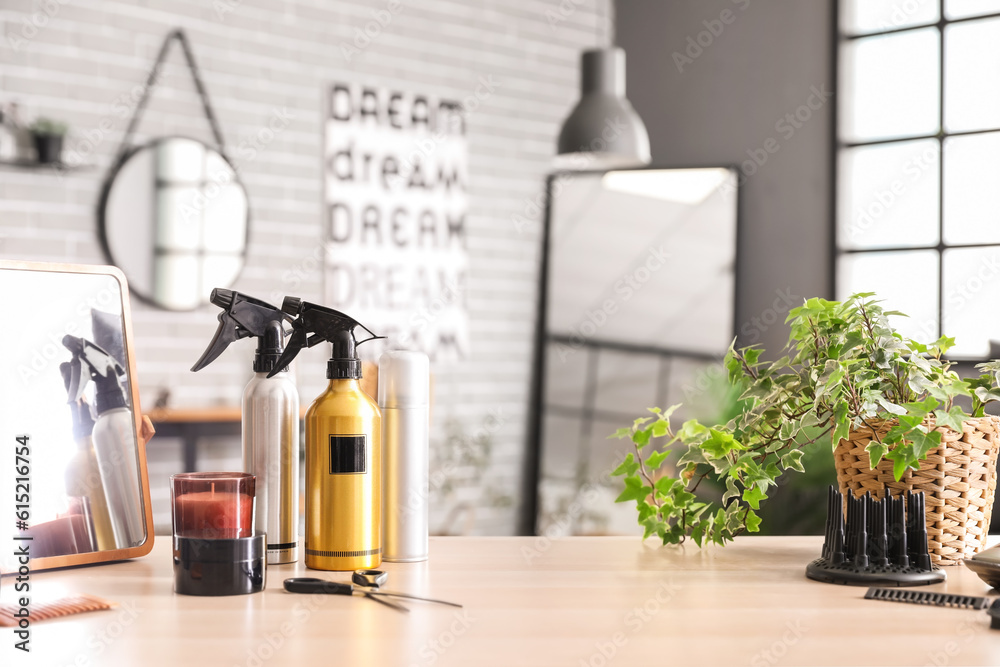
265,55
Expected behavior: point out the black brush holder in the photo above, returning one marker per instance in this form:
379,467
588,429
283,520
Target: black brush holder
880,543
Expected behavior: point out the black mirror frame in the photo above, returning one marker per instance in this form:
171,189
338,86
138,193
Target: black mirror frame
527,520
102,222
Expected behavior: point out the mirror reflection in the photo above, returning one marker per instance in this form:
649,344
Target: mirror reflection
69,392
641,287
174,218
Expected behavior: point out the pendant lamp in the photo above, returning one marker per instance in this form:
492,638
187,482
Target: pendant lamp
603,131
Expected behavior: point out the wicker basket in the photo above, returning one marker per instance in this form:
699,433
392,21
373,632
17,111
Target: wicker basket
958,478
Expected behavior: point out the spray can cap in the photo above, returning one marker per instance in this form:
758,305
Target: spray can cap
403,379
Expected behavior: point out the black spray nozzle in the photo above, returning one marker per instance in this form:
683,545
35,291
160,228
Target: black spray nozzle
243,316
92,362
314,324
83,422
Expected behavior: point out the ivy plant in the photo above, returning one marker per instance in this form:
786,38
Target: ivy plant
844,368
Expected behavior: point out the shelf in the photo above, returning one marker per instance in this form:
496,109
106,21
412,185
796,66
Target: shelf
43,166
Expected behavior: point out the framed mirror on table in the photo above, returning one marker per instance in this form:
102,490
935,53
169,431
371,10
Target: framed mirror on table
74,476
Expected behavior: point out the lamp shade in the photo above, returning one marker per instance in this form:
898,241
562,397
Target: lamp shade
603,131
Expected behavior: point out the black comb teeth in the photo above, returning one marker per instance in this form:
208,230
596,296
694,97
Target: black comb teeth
878,542
928,597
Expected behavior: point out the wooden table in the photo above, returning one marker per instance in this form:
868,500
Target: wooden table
528,601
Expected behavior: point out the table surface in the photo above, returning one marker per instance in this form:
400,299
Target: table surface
528,601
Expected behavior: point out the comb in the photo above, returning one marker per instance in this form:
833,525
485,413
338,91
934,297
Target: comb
991,605
928,597
42,611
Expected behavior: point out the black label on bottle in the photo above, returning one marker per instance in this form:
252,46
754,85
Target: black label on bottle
347,454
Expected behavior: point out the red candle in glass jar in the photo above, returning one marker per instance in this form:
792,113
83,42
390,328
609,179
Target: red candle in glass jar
213,505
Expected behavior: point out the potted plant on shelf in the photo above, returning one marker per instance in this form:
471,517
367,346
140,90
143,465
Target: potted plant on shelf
886,403
48,136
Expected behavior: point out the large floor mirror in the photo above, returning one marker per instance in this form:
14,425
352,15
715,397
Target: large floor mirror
637,310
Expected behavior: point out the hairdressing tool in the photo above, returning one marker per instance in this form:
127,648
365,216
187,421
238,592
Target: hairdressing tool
83,474
881,542
92,362
270,417
987,565
114,435
404,398
369,578
991,605
64,606
314,324
343,446
314,585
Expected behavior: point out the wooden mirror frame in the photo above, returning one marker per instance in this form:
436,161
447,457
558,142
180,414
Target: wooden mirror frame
143,427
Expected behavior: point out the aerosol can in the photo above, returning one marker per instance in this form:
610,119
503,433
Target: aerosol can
343,447
270,418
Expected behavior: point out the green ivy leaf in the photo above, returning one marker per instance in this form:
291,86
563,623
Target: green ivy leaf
665,484
792,460
753,522
876,450
641,438
890,407
699,532
634,490
923,442
987,395
645,510
921,409
731,490
943,344
655,460
650,526
753,495
720,443
623,432
692,431
842,421
682,498
952,419
692,455
899,466
788,430
629,466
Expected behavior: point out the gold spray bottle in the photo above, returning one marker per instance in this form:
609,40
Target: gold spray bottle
343,507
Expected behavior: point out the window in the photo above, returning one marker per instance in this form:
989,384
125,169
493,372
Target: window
918,201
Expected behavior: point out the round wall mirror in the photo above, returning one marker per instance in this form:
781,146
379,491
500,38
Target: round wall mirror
174,217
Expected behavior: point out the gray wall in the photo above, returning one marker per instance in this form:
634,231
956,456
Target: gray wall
719,94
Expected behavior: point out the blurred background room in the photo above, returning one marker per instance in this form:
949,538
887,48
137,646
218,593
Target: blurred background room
572,206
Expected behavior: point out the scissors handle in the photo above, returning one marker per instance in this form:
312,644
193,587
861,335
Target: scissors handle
369,578
314,585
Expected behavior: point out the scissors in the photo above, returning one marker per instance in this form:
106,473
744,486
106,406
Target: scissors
366,583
